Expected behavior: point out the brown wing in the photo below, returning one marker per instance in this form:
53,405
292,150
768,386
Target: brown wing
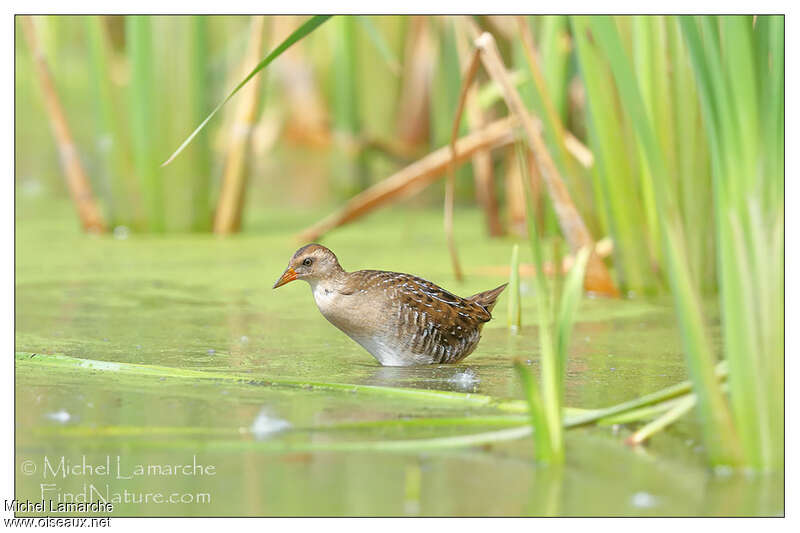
427,319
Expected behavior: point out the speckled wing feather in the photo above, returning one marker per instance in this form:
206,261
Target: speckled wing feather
424,318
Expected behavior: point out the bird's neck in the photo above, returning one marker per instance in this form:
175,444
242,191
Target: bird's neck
329,283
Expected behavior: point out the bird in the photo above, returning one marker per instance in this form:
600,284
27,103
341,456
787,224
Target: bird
401,319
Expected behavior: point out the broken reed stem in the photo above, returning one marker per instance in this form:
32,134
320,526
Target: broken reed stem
575,231
415,177
80,188
228,216
482,161
449,191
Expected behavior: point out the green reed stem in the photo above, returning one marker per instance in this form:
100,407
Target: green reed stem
144,126
514,297
721,439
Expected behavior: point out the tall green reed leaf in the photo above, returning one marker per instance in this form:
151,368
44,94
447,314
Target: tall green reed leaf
143,118
199,104
111,141
309,26
739,68
570,298
615,180
377,39
718,431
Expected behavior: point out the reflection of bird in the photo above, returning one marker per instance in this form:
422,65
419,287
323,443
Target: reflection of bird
400,319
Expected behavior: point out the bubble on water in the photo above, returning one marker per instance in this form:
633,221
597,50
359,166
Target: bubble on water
465,378
643,500
265,425
723,471
61,416
121,233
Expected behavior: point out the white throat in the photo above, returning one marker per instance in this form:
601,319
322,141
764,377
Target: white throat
324,294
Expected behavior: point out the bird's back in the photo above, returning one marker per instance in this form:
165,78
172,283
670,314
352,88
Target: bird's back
404,319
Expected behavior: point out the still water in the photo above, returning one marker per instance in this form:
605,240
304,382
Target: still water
175,444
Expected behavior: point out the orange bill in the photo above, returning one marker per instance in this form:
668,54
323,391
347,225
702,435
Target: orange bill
288,275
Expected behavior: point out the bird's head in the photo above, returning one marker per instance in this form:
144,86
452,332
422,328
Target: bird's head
312,262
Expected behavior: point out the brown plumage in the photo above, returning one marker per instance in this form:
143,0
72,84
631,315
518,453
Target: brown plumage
400,319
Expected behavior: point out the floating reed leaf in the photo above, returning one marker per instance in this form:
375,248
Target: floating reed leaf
678,409
63,361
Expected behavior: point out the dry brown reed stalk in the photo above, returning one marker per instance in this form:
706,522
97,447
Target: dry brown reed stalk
482,160
228,216
415,177
77,181
449,193
603,248
413,117
515,194
597,279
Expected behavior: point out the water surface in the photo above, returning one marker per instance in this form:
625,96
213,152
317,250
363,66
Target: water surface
202,303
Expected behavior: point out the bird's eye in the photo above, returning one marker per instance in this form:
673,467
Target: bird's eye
307,261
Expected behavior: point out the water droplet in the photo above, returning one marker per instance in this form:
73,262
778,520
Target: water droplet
265,425
121,233
643,500
60,416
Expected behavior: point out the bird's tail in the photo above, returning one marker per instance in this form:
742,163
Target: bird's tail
488,299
